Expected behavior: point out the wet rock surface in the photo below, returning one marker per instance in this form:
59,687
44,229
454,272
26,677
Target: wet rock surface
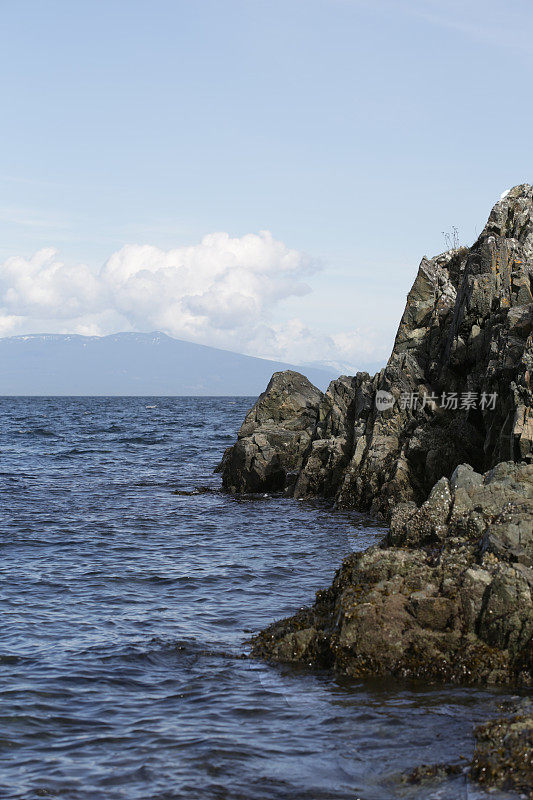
448,596
502,759
504,752
428,773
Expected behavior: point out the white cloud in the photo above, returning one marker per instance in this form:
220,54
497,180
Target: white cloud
299,343
43,286
8,324
222,292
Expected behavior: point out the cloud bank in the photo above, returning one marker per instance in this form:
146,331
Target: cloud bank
222,292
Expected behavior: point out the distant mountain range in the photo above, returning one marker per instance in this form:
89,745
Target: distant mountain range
133,364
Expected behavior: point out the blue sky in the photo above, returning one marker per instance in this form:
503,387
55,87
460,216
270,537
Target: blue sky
354,132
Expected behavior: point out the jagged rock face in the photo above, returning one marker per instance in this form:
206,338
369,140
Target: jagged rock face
274,436
346,400
448,596
495,510
467,327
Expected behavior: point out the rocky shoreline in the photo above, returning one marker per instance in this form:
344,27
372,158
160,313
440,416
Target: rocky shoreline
503,756
446,597
440,445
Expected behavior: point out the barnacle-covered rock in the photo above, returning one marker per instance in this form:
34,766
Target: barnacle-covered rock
437,599
504,752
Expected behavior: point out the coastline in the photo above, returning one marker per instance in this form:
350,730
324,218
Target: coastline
447,597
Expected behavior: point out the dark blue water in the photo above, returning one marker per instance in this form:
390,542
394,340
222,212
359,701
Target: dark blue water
125,608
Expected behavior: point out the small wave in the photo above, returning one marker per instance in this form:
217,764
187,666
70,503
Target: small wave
112,428
152,483
143,440
8,659
197,490
45,432
80,451
157,651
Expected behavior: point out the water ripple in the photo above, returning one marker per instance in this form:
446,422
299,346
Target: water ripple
127,596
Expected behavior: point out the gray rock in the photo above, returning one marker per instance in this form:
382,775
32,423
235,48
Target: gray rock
427,524
274,436
333,437
467,327
464,477
448,596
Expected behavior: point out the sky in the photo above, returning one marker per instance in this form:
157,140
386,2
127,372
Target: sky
259,175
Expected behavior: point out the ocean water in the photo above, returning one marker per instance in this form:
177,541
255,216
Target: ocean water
125,609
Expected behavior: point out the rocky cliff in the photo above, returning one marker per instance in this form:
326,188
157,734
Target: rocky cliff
459,376
440,443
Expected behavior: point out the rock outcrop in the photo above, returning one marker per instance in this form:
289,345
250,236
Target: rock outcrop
464,344
274,436
448,596
440,444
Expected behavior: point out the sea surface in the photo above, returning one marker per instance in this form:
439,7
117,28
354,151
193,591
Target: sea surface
125,609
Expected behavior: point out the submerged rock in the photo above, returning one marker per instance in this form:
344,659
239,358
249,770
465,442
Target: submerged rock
503,756
504,752
193,492
429,773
